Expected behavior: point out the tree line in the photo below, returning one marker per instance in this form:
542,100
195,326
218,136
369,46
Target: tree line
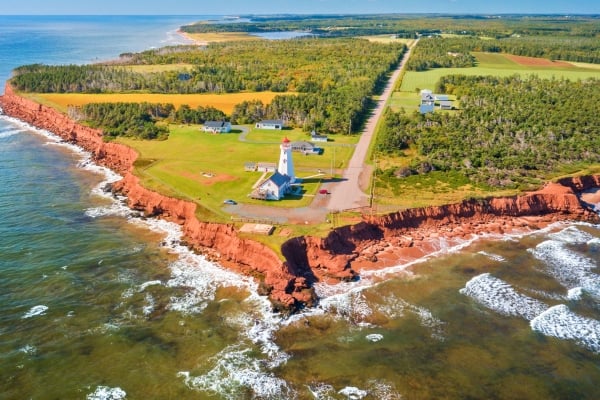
141,120
333,78
408,26
509,131
455,52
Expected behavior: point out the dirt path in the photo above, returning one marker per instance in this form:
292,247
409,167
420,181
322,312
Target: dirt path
349,192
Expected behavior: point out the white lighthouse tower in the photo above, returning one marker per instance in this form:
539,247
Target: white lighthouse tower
286,164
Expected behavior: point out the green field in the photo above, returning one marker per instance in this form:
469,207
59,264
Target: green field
497,65
208,169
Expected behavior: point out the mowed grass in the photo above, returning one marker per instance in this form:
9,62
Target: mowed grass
224,102
207,169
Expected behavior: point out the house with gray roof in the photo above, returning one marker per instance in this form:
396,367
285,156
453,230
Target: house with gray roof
274,188
217,127
270,124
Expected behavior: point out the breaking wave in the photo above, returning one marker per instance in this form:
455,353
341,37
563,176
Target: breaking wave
501,297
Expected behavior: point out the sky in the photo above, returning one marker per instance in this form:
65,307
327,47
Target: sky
234,7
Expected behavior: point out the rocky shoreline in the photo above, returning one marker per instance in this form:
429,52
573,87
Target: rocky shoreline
376,242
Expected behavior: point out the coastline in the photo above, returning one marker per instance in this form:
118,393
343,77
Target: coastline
375,243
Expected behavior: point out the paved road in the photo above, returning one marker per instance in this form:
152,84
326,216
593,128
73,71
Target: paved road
349,193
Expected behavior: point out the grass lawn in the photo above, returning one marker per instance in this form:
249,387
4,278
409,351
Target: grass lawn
224,102
208,169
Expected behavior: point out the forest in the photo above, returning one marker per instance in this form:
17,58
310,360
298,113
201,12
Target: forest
139,120
409,25
332,79
510,132
454,52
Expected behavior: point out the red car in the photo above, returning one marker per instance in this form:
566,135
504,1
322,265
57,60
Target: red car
323,191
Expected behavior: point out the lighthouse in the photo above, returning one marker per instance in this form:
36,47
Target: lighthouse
286,164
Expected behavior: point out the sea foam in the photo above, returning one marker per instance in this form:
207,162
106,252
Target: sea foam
562,323
235,369
501,297
568,267
35,311
107,393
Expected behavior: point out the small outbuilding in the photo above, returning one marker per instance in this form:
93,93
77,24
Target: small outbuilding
275,124
315,137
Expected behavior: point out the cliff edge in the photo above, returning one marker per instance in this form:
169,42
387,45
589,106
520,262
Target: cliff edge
372,243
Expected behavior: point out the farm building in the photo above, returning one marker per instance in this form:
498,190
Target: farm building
270,124
217,127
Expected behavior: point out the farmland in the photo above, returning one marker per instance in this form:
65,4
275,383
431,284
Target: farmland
224,102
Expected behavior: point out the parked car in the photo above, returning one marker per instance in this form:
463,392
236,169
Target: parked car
229,201
323,191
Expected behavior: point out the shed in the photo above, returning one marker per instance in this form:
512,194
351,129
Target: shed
270,124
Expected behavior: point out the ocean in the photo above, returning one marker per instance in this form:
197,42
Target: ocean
97,303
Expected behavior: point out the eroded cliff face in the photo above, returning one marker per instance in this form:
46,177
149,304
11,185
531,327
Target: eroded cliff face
343,252
287,289
346,250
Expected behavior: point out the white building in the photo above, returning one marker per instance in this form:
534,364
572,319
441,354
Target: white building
217,127
270,124
274,188
286,163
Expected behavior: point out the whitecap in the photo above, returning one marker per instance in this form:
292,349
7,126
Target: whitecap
568,267
150,305
562,323
107,393
571,235
374,337
28,349
353,393
35,311
501,297
145,285
235,371
575,293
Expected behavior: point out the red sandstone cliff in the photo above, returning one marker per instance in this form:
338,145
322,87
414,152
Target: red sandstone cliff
286,289
344,250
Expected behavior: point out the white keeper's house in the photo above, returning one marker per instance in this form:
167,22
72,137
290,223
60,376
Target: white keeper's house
280,183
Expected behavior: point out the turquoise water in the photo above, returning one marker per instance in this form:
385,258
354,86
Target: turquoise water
96,303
